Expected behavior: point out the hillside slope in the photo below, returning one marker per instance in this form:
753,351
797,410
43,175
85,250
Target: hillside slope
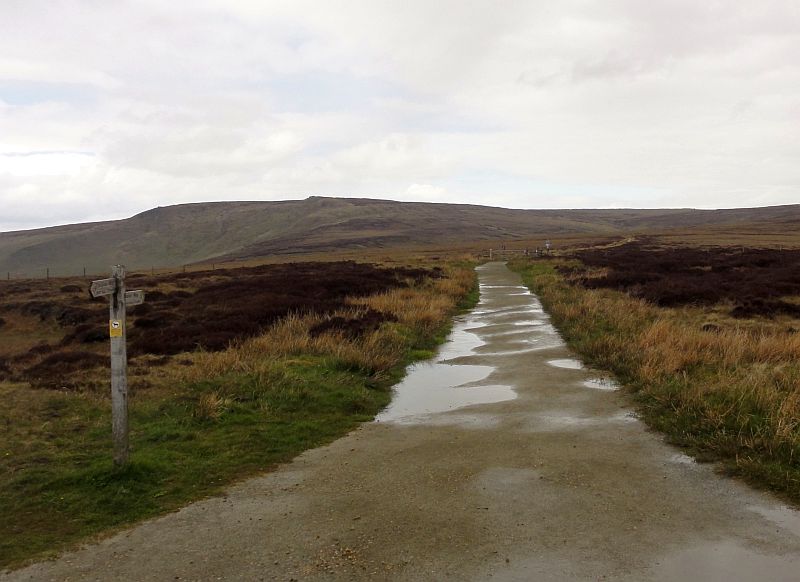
189,233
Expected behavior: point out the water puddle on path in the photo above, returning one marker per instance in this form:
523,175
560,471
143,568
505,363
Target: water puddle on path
560,421
567,363
439,386
681,459
784,517
725,561
600,384
448,383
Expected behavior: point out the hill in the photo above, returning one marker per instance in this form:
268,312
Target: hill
220,231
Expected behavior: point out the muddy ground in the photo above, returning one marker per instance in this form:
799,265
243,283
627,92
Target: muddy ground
549,477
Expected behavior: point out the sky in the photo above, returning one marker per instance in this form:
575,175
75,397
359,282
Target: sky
110,107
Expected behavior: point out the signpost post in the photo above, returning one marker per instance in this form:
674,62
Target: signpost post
114,288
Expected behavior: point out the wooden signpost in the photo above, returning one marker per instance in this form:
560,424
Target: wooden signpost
114,288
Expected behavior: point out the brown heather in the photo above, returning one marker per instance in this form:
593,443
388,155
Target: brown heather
419,311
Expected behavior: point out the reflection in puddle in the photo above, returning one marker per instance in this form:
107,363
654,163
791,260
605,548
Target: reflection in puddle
434,387
527,322
476,421
682,459
515,311
539,345
461,342
516,331
516,352
781,515
601,384
568,363
450,383
568,421
725,561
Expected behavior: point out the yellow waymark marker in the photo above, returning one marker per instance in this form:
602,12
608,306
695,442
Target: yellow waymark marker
115,328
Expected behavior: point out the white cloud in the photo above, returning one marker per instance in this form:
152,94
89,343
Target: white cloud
619,103
39,164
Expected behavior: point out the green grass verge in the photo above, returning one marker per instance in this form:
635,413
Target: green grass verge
68,490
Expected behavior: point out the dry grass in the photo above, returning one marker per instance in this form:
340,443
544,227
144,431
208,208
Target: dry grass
419,312
375,352
730,392
211,406
423,308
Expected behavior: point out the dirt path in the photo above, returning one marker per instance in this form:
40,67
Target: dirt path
555,480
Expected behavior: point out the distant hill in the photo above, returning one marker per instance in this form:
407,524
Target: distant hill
191,233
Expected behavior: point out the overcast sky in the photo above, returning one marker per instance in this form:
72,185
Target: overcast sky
108,108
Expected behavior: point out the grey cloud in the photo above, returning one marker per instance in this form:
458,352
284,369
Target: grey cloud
675,102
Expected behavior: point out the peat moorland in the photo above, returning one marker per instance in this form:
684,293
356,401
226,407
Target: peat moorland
705,338
231,372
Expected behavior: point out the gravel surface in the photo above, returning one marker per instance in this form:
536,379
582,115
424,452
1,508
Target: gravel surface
545,478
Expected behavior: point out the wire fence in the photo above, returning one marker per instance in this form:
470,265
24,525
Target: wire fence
47,273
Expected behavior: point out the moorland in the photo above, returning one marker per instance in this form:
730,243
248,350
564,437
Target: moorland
706,339
231,371
236,368
225,232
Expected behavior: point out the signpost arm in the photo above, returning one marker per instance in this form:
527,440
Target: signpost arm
119,363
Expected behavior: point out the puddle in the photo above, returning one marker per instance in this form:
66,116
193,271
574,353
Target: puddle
473,421
506,483
726,561
461,342
428,393
516,352
567,421
526,322
432,387
515,311
600,384
682,459
516,331
437,387
539,345
624,417
512,318
555,422
508,321
784,517
567,363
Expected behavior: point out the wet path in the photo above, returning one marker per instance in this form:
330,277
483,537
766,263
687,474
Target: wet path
504,459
